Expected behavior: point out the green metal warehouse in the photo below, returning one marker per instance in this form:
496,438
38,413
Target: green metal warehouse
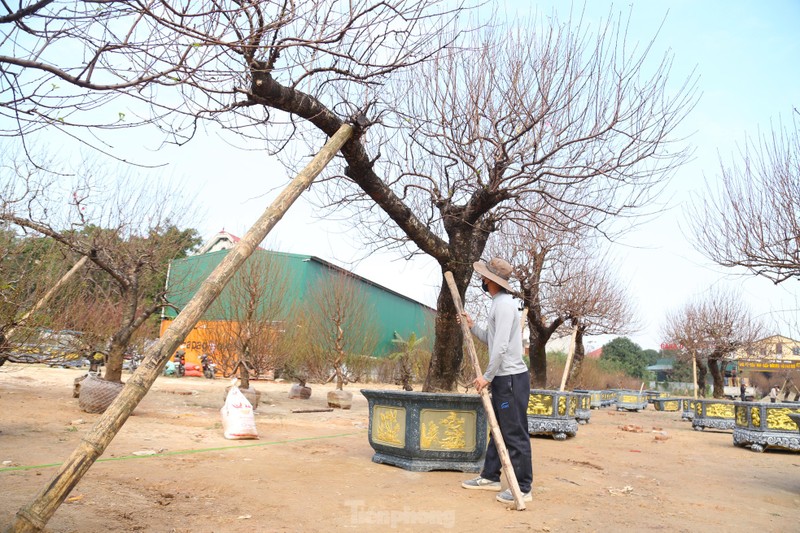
393,312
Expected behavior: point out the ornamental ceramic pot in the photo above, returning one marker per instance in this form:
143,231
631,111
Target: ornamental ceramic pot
422,431
583,410
631,400
552,412
608,397
767,425
667,404
713,413
595,397
687,409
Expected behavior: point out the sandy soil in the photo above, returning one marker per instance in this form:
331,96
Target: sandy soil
312,472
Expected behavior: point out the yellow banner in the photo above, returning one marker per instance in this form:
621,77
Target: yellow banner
767,366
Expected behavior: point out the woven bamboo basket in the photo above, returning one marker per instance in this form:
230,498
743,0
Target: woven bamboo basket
96,394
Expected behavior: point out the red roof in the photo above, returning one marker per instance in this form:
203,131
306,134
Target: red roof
595,354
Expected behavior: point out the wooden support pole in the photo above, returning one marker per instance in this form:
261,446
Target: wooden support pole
570,355
499,443
34,516
694,372
49,294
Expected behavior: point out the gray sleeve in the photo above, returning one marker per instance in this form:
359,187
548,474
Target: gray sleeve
480,333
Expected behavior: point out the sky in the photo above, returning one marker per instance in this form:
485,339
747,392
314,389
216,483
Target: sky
745,54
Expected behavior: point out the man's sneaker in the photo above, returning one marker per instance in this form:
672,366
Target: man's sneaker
480,483
508,498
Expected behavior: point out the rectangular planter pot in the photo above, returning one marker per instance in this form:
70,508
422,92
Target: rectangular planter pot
667,404
420,431
631,400
687,408
583,409
715,414
767,425
609,397
552,412
595,397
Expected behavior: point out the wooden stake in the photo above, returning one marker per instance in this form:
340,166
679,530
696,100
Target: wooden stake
570,355
35,516
497,435
49,294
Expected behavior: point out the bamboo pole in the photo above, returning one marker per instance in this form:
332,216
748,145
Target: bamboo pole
570,355
694,372
499,443
34,516
49,294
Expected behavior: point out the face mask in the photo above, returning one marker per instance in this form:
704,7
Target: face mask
484,286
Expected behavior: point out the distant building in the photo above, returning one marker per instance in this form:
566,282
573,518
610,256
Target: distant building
393,313
662,369
773,353
595,354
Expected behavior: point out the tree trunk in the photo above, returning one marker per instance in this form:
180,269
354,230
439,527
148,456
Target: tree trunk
537,353
244,375
447,346
538,337
702,370
116,354
716,373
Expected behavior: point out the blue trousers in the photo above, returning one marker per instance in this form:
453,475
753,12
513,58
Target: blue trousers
510,396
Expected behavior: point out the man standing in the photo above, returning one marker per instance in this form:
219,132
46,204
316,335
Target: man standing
509,379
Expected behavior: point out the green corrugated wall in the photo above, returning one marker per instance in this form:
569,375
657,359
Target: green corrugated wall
393,312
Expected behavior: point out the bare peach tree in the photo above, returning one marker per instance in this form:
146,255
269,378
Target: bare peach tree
564,281
253,311
519,118
753,220
337,325
542,251
710,330
29,266
126,231
597,303
453,145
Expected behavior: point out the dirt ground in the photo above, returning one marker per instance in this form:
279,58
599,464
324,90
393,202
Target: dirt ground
313,471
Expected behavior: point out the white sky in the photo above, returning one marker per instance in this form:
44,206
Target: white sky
747,55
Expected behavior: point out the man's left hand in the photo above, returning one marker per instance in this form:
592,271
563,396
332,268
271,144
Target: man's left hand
480,383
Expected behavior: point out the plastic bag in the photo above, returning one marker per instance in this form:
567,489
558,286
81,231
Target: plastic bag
238,421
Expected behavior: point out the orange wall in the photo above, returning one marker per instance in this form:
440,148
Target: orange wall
202,339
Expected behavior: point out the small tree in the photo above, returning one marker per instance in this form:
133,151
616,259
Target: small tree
29,266
335,322
710,330
406,351
124,228
254,310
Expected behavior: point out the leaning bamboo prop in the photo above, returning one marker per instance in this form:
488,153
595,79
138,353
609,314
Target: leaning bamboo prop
499,443
49,294
570,355
35,516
